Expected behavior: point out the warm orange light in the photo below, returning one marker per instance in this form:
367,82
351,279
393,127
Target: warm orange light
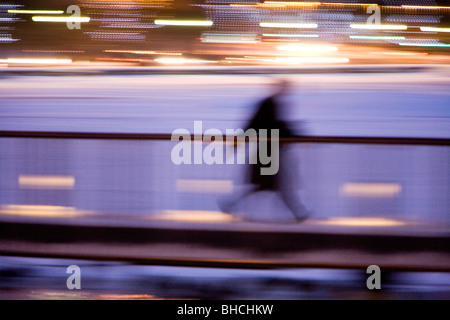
46,182
40,211
292,4
351,189
403,53
424,7
143,52
195,216
362,222
349,4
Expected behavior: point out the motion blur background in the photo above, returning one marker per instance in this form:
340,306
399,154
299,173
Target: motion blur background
228,32
86,175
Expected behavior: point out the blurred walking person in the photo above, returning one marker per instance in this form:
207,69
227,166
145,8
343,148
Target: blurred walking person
285,182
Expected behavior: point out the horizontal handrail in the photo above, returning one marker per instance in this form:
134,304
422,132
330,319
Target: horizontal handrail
165,136
226,247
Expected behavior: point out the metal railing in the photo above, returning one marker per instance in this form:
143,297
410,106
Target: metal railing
401,182
132,175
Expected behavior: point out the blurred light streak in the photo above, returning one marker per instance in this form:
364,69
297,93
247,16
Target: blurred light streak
424,7
125,59
145,52
230,38
117,36
195,216
245,5
277,4
439,58
288,25
186,23
431,29
41,211
46,182
7,19
378,26
55,51
292,4
377,37
8,40
348,4
428,45
362,222
206,40
182,61
204,186
36,11
59,295
307,48
370,189
291,35
403,53
288,60
61,19
311,60
248,59
125,297
36,61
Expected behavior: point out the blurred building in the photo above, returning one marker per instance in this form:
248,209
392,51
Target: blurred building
240,31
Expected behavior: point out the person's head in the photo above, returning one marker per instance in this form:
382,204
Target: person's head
282,87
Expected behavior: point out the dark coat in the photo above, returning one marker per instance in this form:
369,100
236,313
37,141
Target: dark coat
267,117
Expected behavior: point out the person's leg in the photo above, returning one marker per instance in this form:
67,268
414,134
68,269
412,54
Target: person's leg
294,204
